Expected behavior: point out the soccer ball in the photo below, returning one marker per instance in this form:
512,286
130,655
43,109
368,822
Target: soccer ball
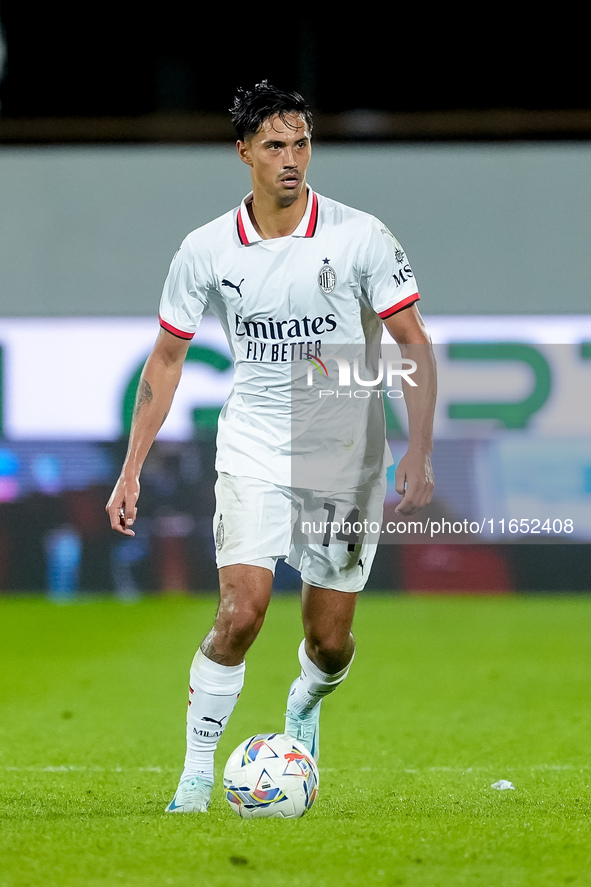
271,774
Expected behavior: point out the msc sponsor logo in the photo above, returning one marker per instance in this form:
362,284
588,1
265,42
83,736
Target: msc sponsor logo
400,278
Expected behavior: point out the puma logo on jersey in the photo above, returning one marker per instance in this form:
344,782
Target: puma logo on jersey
233,285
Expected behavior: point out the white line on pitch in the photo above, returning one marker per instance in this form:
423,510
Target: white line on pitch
92,768
86,768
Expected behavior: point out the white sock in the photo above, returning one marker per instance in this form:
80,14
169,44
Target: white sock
313,685
213,692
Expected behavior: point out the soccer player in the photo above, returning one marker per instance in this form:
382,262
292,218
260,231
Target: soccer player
290,275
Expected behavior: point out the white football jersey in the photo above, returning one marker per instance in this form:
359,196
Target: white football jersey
284,303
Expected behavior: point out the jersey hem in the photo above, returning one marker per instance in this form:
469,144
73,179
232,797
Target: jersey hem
399,306
181,334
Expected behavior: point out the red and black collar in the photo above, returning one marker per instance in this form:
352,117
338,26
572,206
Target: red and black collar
247,233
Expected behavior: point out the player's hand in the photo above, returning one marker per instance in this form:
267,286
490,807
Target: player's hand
414,482
121,506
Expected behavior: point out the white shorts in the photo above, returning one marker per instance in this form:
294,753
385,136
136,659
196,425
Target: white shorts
331,538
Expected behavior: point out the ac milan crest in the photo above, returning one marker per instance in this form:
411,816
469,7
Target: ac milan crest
219,534
327,278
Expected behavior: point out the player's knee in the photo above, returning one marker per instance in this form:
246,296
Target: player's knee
331,651
243,604
241,624
247,622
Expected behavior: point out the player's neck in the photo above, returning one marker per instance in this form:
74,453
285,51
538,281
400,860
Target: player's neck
272,220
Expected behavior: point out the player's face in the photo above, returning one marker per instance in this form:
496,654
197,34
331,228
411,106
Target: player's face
278,156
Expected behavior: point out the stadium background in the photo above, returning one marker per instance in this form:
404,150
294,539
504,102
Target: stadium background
115,142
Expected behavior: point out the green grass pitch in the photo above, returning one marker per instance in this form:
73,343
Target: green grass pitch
446,696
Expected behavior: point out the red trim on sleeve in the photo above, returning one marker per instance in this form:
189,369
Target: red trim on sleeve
241,230
311,229
172,329
399,306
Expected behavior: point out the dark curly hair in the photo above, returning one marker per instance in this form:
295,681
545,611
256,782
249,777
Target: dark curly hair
253,106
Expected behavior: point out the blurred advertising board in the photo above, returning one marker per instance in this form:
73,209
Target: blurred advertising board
512,455
75,378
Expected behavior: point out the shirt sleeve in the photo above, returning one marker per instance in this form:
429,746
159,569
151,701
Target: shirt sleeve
184,296
386,275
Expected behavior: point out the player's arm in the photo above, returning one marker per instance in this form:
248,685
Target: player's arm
158,383
414,475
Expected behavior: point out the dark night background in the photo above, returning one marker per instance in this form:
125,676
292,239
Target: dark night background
126,60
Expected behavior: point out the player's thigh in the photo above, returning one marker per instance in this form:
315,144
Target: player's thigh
339,552
252,521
